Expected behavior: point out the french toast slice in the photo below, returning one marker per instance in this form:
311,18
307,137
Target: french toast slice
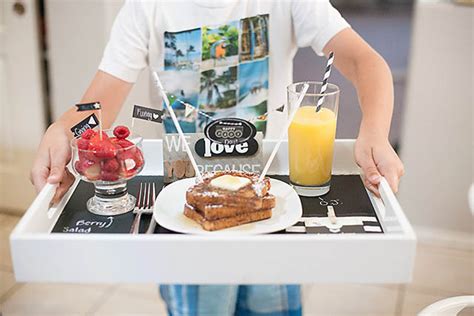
212,225
215,211
250,196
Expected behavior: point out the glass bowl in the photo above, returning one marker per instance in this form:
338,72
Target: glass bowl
108,162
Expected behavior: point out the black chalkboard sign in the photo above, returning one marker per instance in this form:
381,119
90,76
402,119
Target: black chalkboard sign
347,196
75,218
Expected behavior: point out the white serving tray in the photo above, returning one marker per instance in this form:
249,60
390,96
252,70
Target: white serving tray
39,256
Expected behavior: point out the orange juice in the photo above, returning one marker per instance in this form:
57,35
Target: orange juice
310,146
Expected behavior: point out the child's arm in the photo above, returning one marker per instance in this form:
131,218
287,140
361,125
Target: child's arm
371,76
54,151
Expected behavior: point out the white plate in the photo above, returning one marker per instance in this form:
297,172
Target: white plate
169,207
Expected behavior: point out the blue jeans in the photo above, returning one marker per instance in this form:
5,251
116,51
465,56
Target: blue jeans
224,300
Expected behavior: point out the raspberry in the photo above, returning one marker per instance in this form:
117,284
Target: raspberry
110,165
121,132
88,155
105,150
108,176
83,143
88,133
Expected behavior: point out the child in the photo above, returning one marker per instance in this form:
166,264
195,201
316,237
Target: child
231,58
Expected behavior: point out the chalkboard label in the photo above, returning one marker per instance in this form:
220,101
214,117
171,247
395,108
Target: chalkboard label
86,226
88,123
147,114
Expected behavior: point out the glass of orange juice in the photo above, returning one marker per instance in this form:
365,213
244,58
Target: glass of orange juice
311,138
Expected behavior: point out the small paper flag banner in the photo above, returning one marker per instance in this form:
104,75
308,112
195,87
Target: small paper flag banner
147,114
88,106
189,109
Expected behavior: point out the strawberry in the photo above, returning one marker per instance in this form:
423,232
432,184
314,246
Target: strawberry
110,165
87,155
108,176
103,149
121,132
88,133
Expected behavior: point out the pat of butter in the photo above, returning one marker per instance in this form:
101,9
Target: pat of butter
228,182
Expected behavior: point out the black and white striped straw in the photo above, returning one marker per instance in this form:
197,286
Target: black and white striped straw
324,86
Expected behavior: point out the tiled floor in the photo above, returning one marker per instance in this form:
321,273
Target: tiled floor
439,273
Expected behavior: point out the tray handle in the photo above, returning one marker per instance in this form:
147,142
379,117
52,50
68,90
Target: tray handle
393,207
47,193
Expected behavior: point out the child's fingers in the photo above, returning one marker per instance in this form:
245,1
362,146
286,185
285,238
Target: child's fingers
371,187
59,157
392,178
64,186
369,169
38,177
40,172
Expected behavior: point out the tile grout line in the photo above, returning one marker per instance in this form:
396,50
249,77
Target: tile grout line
402,291
111,289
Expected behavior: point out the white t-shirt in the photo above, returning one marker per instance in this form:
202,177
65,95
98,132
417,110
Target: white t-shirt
225,57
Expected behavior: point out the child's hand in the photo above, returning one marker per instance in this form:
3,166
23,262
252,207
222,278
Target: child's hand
376,157
51,159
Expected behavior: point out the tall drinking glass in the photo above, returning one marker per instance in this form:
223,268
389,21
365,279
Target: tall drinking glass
311,138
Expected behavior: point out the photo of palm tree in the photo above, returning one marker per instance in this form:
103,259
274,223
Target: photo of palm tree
218,89
183,50
220,45
254,38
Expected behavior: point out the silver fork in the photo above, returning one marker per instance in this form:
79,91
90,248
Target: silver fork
145,203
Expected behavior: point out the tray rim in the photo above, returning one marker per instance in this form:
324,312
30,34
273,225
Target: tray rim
21,232
62,255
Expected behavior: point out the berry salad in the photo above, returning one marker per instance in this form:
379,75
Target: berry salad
110,158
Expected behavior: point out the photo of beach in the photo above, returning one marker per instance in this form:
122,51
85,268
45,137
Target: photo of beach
220,45
253,83
183,50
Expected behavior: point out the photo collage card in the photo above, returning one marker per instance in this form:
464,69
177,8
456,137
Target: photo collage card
220,70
